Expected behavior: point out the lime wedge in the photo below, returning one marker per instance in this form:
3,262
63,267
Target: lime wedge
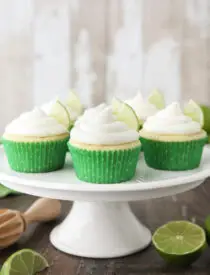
24,262
157,98
206,114
61,114
74,103
125,113
180,242
207,228
193,110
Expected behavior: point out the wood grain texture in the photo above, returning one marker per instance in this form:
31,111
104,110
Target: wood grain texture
88,47
193,205
16,58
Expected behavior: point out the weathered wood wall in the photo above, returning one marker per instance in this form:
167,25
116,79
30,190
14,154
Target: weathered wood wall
102,48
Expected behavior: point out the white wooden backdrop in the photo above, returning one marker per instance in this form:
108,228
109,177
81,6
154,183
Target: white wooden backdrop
102,48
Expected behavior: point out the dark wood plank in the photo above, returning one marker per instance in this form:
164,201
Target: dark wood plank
193,205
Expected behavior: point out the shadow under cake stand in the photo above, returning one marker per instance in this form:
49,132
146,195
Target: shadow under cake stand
101,223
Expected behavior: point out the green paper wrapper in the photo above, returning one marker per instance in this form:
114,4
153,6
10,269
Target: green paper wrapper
36,157
173,156
108,166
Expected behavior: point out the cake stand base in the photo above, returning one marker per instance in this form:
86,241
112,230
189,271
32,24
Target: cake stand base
100,230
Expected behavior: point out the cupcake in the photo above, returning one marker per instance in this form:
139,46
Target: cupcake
35,143
172,141
103,149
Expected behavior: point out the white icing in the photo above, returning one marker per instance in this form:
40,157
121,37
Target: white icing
35,123
99,126
142,107
171,120
48,107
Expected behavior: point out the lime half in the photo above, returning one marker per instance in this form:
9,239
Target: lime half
24,262
157,98
206,114
180,242
74,103
61,114
125,113
193,110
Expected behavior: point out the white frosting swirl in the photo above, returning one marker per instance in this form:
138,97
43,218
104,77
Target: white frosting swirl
171,120
35,123
99,126
142,107
47,107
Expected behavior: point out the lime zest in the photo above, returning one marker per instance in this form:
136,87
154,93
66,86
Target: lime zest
194,111
125,113
157,99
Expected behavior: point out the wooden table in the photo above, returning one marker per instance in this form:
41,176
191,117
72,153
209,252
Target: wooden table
193,205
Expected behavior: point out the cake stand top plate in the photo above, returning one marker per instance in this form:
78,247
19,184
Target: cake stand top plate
63,184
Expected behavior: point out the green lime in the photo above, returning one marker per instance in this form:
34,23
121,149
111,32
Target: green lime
125,113
193,110
180,242
157,98
206,114
24,262
74,103
207,228
61,114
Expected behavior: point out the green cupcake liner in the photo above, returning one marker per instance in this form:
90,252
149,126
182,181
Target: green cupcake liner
173,156
36,157
108,166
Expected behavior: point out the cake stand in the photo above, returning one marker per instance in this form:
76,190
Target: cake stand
101,223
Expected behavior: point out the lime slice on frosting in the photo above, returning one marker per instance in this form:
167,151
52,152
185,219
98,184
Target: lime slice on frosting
61,114
193,110
24,262
125,113
157,98
206,114
74,103
180,242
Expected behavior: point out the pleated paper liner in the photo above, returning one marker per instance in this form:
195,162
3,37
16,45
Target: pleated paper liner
108,166
36,157
173,156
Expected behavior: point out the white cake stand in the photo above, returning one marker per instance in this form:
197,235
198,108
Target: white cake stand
101,223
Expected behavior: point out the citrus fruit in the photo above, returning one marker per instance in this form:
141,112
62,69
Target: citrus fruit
193,110
61,114
206,114
157,98
74,103
207,228
125,113
24,262
180,242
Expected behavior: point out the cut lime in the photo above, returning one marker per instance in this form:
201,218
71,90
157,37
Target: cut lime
206,114
125,113
193,110
24,262
61,114
207,228
74,103
157,98
180,242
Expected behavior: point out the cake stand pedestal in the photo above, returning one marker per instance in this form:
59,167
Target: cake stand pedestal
101,223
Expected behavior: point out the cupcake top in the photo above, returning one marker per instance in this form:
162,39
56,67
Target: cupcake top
47,107
171,120
35,124
142,107
98,126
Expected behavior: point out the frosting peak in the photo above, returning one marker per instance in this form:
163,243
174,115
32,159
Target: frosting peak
35,123
142,107
99,126
171,120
